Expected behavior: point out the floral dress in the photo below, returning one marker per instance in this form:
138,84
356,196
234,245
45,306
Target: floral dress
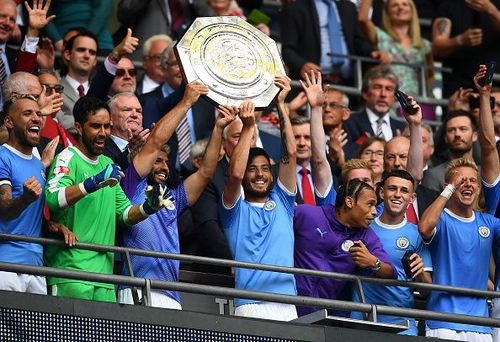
409,78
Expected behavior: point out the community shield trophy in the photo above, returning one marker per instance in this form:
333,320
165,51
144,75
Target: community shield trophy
233,58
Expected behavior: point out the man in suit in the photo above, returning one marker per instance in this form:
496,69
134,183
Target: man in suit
80,54
154,74
126,128
149,18
378,92
301,128
306,38
200,117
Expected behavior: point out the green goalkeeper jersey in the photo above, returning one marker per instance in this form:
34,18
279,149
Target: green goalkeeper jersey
93,218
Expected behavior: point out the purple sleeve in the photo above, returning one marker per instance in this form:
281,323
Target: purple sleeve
375,247
130,182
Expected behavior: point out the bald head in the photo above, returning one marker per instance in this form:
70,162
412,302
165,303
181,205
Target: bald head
396,154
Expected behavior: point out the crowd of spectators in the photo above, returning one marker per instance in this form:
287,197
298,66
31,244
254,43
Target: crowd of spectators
96,153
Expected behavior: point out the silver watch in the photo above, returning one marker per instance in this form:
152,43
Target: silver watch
377,266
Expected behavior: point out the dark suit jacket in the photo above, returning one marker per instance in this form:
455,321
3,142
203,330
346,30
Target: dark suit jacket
300,35
359,124
272,145
154,106
425,197
211,239
112,151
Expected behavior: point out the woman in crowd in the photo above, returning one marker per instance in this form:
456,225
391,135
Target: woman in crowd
400,38
372,150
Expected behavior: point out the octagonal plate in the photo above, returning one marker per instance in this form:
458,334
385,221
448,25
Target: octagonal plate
233,58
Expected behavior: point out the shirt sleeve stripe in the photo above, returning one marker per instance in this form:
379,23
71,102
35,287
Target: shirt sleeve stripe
61,198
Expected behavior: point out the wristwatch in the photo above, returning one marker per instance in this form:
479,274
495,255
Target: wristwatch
377,266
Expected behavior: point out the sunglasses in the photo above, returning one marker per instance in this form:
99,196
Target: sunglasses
57,88
121,72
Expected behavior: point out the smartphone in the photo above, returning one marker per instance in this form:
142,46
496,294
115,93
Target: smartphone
405,104
489,74
474,102
405,260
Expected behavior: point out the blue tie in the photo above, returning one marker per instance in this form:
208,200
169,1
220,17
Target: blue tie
336,36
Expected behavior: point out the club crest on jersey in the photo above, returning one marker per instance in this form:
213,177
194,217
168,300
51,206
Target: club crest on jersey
61,169
402,242
346,245
484,231
270,205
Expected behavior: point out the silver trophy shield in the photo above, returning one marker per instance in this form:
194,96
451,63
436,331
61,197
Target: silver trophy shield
233,58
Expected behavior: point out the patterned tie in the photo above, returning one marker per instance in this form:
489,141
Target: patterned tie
411,215
307,193
3,71
81,90
184,138
380,125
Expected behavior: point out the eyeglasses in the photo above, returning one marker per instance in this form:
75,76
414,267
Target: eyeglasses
56,87
121,72
334,105
370,153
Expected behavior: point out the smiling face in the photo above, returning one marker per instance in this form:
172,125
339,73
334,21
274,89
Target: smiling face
24,123
379,96
7,19
398,194
399,11
94,133
258,179
467,192
160,171
124,80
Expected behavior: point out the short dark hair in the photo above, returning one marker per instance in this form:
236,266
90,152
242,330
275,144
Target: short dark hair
87,105
351,189
83,33
457,113
399,174
255,152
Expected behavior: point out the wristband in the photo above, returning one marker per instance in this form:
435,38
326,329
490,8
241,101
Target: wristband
146,209
459,40
448,191
90,185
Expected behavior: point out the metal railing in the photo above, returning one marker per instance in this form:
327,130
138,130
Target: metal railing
148,284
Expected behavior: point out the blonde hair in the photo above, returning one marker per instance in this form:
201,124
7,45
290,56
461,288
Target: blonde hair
355,164
416,38
456,163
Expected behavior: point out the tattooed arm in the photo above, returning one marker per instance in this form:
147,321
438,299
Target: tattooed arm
288,160
442,42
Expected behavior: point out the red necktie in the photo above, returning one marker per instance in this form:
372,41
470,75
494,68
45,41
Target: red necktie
307,193
411,215
177,14
81,90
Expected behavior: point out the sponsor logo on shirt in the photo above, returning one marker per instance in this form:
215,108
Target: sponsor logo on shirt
484,231
321,233
270,205
346,245
61,169
402,242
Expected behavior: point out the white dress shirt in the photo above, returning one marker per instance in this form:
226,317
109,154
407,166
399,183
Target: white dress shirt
386,127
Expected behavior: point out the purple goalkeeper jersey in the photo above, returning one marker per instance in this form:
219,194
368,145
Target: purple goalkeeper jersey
322,243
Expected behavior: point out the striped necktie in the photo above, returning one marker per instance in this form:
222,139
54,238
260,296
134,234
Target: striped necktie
3,71
380,125
184,138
